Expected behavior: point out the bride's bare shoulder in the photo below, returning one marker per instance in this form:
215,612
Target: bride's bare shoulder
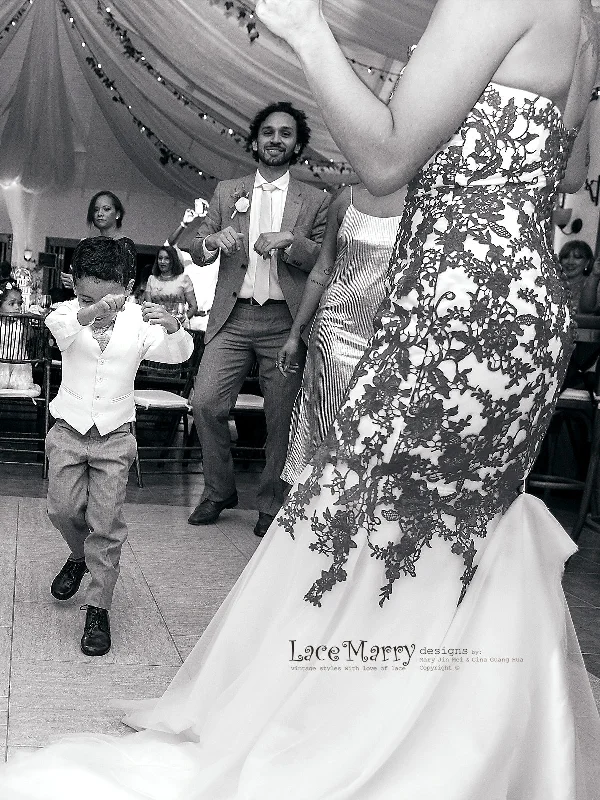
516,17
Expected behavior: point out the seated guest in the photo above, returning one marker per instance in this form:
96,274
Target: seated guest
12,340
583,274
168,285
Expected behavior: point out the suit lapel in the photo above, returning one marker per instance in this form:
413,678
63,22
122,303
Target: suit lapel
293,202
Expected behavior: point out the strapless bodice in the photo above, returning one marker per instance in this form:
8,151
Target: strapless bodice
511,138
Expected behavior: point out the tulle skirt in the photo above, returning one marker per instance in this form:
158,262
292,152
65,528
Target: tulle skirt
415,699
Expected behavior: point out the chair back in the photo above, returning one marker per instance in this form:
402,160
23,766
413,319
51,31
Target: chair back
24,339
178,378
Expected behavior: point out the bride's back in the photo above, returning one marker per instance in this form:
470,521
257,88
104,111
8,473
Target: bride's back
557,57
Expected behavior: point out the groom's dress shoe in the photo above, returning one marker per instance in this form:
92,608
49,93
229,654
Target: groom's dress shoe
208,511
96,633
68,580
263,524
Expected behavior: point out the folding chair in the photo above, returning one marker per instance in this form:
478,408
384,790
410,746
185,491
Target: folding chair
247,423
162,395
24,341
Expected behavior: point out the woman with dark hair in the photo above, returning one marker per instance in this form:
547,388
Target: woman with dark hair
105,213
168,285
582,273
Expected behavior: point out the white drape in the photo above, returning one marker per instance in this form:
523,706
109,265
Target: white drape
207,56
36,148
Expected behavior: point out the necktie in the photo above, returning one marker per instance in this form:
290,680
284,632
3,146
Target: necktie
265,225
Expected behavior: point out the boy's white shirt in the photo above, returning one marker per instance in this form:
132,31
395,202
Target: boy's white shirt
97,386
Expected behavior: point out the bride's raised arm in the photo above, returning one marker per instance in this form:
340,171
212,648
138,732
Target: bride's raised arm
463,46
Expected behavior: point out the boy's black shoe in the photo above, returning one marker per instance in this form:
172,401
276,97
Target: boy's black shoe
68,580
96,634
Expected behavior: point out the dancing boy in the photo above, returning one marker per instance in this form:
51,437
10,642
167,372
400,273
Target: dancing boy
90,447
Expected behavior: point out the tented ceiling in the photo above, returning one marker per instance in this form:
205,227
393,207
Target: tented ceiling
175,82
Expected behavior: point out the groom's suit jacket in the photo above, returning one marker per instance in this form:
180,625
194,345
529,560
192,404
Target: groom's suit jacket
304,214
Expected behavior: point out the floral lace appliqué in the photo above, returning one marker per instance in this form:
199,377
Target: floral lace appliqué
448,407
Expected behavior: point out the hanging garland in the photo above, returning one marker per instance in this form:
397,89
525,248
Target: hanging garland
167,156
138,57
383,76
242,12
317,167
13,24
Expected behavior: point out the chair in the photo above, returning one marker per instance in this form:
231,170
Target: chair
248,419
574,405
24,340
162,394
582,405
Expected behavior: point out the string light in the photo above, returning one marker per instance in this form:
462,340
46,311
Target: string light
137,55
317,166
391,77
167,156
11,26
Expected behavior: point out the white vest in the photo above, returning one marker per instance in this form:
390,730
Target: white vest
97,387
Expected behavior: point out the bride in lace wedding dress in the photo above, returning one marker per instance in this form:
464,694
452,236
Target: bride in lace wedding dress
401,632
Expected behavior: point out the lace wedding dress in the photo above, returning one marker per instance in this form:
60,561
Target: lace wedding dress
401,632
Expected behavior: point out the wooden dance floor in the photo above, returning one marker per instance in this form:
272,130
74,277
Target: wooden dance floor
173,579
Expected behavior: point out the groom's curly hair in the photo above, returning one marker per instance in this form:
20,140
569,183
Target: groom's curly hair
302,129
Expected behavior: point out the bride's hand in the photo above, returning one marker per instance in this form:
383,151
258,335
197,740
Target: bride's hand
291,20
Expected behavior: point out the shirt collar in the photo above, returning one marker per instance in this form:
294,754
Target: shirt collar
281,183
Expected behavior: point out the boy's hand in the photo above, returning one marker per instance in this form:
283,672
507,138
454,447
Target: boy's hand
110,304
103,311
155,314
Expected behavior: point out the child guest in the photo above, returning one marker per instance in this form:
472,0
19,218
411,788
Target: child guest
90,447
13,344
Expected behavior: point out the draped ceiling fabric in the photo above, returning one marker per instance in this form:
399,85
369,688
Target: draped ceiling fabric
38,113
205,54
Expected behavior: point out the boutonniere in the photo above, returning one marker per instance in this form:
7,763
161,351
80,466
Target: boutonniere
241,202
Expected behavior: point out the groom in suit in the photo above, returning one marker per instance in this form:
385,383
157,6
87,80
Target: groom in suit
268,228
